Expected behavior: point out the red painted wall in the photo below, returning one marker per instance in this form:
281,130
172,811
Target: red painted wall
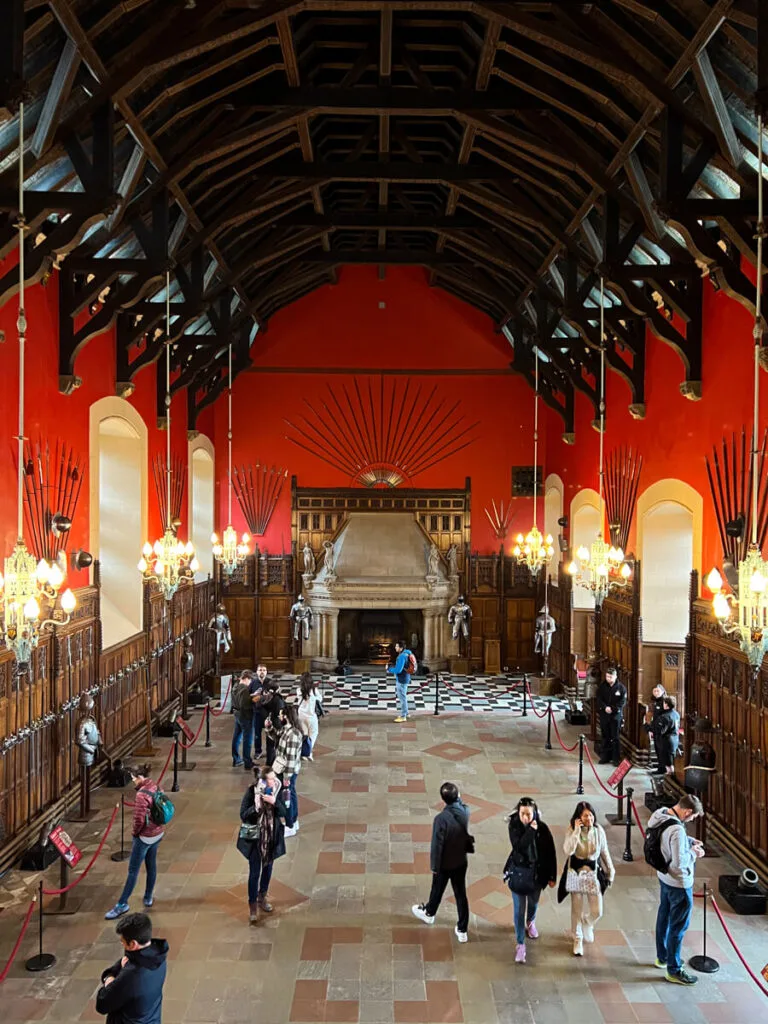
344,326
676,434
51,415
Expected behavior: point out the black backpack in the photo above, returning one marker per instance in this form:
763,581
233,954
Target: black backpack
652,845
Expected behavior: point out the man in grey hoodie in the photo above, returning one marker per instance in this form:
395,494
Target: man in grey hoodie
679,852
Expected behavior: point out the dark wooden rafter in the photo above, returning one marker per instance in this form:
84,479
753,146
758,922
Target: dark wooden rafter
477,140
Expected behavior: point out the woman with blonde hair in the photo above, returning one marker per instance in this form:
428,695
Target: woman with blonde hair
587,874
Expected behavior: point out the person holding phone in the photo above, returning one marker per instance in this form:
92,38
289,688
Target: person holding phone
588,872
262,837
531,867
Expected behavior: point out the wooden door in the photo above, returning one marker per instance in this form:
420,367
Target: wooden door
274,630
520,623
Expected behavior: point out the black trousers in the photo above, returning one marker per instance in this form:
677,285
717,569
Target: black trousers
458,879
610,730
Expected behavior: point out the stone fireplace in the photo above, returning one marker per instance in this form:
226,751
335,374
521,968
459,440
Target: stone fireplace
379,590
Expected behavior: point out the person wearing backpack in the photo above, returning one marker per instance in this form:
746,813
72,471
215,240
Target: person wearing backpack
242,707
147,835
530,867
402,670
673,853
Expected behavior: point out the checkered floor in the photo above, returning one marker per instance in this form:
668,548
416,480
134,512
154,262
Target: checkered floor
457,693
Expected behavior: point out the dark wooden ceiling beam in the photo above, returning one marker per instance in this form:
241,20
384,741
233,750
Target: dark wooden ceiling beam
401,100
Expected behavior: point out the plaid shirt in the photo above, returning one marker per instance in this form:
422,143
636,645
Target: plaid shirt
288,750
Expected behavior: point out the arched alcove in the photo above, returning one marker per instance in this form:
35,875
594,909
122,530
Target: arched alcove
201,502
585,525
118,513
553,510
669,524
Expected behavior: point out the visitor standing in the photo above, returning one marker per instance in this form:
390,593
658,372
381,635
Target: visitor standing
242,708
132,989
262,837
673,853
666,735
147,836
451,842
269,706
259,683
402,670
531,867
287,763
309,698
611,698
587,873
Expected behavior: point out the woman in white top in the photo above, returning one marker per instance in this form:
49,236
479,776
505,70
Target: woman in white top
589,863
309,697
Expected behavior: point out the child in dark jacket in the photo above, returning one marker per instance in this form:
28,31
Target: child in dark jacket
132,989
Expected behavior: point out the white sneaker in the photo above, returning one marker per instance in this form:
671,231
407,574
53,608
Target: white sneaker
588,932
419,910
461,936
296,825
578,948
290,832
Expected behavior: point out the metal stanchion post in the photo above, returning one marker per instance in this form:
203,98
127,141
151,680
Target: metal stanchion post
208,724
580,786
618,818
627,855
525,697
701,962
437,694
122,853
548,744
175,786
41,961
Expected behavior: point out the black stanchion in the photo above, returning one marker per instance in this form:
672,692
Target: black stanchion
548,744
437,694
122,853
63,907
175,786
41,961
208,724
525,697
627,855
580,786
701,962
618,818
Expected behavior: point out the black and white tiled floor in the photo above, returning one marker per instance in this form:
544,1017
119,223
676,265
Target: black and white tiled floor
457,693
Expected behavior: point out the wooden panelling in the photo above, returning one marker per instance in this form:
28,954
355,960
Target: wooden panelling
485,625
559,599
519,626
274,629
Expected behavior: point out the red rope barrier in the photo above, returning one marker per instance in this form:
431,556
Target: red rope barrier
539,714
560,741
600,781
165,769
637,819
333,686
20,939
91,862
738,952
195,738
224,702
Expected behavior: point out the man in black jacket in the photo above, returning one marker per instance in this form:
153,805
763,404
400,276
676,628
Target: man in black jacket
269,707
611,698
451,842
132,989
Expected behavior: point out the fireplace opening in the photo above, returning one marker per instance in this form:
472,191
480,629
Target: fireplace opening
367,636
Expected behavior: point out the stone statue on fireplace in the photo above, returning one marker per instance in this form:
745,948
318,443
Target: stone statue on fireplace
301,617
545,630
329,560
309,560
459,618
433,562
452,556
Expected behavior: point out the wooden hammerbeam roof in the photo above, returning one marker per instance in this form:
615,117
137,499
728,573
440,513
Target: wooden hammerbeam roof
518,151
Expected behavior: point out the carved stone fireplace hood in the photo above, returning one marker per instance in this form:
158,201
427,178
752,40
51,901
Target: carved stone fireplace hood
380,561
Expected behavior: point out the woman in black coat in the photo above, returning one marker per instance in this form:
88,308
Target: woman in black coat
531,867
262,837
654,722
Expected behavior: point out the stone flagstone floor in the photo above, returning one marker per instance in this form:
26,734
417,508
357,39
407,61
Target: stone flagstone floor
342,944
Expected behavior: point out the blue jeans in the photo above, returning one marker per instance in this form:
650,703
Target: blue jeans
402,695
259,874
258,728
293,802
524,914
243,730
672,922
140,853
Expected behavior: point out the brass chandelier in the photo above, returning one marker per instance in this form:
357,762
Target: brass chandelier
229,552
27,584
534,549
601,567
169,562
745,615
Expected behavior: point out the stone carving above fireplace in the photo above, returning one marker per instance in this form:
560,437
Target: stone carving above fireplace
380,561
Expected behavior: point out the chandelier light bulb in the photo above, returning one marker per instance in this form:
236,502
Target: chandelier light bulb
32,610
721,607
142,565
625,571
43,571
246,538
714,581
68,601
214,539
158,548
189,548
159,568
55,577
194,565
757,582
583,554
147,549
573,569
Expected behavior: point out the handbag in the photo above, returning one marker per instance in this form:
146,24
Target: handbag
319,709
249,833
562,892
602,878
522,879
